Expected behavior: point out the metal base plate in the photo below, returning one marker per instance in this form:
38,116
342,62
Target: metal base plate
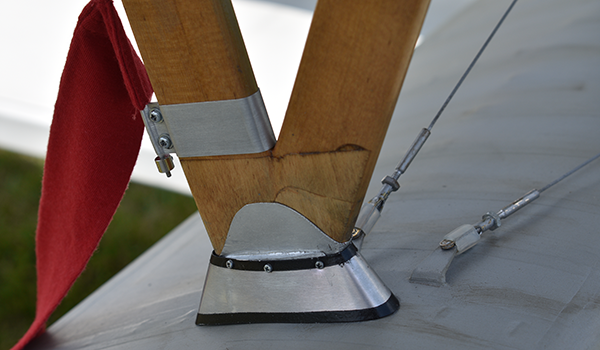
335,288
383,310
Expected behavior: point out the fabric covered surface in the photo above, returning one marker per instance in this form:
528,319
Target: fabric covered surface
94,141
527,113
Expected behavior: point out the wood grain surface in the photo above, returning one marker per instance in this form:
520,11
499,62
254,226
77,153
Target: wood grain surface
352,69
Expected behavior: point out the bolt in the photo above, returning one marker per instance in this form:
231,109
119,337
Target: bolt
447,244
165,141
229,264
268,268
319,265
156,115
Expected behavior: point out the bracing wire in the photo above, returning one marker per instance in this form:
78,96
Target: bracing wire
460,81
369,214
570,172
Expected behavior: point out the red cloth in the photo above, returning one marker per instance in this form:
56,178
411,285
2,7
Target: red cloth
94,141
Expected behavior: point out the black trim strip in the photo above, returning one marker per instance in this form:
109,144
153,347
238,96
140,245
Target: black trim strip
286,265
383,310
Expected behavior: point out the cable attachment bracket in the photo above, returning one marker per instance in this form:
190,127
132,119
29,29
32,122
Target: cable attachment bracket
159,136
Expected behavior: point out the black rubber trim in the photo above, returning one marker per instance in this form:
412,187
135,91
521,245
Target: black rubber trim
286,265
383,310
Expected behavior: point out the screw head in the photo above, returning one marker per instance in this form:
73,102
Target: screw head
268,268
319,265
165,141
156,115
229,264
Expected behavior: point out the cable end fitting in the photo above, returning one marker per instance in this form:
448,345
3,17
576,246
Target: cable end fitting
388,180
491,221
463,238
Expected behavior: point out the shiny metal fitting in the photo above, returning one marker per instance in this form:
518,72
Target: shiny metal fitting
229,264
388,180
159,136
309,277
447,244
493,221
156,115
463,237
165,164
165,141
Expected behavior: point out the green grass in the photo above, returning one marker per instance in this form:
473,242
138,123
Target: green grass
144,216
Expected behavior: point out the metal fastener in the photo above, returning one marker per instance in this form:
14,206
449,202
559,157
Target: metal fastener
268,268
156,115
447,244
319,265
388,180
229,264
165,141
165,164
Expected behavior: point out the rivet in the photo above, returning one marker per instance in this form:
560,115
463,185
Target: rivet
319,265
229,264
268,268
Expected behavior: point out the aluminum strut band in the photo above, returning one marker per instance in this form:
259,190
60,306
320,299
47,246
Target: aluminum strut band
285,265
215,128
212,128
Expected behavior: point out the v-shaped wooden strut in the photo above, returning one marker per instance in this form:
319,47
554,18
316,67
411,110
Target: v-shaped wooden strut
352,69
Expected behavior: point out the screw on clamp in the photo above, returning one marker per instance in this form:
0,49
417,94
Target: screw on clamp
161,140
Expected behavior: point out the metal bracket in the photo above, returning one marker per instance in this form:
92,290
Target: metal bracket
213,128
291,272
463,237
159,136
218,128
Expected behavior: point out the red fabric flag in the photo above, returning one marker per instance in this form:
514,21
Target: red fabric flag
94,141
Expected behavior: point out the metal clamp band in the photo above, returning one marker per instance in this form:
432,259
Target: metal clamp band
285,265
214,128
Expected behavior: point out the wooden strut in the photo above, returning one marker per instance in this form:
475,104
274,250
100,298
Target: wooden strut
356,56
